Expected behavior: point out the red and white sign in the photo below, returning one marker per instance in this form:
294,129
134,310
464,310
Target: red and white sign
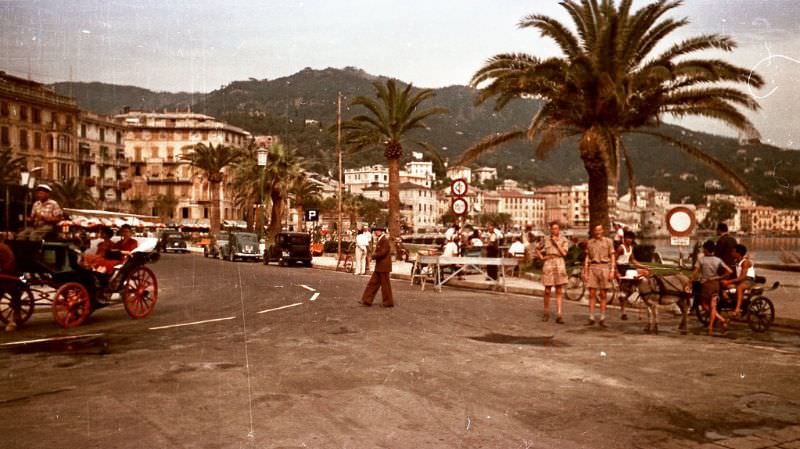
459,187
459,206
680,224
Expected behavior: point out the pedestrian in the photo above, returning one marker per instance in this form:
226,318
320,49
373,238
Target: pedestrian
45,215
383,269
707,270
598,271
362,247
627,261
725,245
554,272
492,250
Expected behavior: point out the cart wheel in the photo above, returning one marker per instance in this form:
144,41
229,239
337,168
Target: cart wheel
761,314
575,288
140,293
71,305
703,315
26,303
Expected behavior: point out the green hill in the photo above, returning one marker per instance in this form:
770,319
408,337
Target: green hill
303,106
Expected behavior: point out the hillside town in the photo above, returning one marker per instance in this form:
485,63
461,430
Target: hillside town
132,162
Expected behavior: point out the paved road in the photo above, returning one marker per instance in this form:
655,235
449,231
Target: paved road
451,369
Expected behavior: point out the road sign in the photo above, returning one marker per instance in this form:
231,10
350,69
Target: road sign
680,221
459,206
679,241
459,187
312,215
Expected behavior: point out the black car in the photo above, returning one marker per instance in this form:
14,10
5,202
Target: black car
215,245
172,241
289,247
241,245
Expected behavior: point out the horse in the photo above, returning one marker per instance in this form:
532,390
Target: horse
662,291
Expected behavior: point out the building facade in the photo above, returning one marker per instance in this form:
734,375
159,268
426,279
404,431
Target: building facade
167,184
356,180
102,162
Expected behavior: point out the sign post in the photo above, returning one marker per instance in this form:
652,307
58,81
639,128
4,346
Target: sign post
680,224
459,206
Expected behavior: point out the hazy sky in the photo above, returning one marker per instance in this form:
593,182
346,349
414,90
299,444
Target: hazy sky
202,44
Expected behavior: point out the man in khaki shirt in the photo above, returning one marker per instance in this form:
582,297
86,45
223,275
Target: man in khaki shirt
598,271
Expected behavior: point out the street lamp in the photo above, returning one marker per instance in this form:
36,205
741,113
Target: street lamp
27,180
263,158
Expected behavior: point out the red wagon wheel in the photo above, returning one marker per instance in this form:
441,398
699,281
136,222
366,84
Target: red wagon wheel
140,293
26,303
71,305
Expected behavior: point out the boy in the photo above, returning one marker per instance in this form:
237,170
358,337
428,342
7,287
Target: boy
745,276
707,268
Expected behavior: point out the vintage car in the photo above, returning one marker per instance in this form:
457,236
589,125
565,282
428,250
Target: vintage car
172,241
289,248
241,245
215,244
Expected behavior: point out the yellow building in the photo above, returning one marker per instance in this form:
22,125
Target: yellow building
102,162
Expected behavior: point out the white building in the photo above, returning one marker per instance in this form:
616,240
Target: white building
484,174
421,204
417,172
459,172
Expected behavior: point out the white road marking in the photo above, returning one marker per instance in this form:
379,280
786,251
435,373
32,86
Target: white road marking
282,307
307,287
314,296
192,323
39,340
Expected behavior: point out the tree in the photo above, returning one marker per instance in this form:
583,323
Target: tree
609,82
10,166
718,212
74,194
213,160
283,167
165,205
138,205
304,192
246,185
388,123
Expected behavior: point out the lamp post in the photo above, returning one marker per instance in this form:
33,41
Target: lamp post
28,181
263,158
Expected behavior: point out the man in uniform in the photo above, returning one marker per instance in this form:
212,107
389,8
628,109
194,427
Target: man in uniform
45,215
598,271
383,270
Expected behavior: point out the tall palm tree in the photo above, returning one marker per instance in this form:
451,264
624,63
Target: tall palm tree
388,123
246,183
213,160
610,81
304,191
284,166
10,166
73,193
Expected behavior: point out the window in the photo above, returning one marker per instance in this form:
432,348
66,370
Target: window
102,134
23,139
119,138
4,108
83,130
185,212
23,113
37,141
153,152
4,136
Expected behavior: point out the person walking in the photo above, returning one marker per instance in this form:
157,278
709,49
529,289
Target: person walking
380,278
598,271
554,271
362,247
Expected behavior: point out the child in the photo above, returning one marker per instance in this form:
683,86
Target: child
745,276
707,268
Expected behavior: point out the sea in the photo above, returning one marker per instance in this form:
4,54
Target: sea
761,249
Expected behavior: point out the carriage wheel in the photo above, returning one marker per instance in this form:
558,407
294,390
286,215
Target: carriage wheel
140,293
761,314
71,305
575,288
26,303
703,315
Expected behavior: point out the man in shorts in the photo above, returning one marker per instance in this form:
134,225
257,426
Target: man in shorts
598,271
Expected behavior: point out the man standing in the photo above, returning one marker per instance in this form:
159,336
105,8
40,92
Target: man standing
492,250
598,271
383,269
362,246
45,215
725,245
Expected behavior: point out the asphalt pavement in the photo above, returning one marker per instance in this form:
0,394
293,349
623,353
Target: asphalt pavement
239,355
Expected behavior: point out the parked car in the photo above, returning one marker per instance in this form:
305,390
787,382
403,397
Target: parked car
215,244
172,241
289,247
241,245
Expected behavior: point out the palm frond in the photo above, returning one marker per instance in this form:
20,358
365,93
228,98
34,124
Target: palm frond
488,144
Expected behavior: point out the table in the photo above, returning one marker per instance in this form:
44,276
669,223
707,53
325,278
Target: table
430,268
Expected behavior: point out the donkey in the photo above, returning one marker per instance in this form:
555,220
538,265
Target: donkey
665,290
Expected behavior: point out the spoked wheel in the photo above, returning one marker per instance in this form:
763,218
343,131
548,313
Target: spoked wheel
71,305
140,293
761,314
703,314
26,303
575,288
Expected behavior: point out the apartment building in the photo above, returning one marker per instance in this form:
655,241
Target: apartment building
39,125
154,143
420,205
356,180
101,160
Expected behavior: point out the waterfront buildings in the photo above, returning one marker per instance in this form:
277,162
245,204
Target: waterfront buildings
102,162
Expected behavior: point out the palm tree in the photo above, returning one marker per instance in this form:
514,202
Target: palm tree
10,166
73,193
213,160
304,191
283,167
388,123
165,205
246,183
610,81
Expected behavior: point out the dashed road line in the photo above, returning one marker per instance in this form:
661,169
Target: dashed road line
40,340
192,323
314,296
281,307
307,287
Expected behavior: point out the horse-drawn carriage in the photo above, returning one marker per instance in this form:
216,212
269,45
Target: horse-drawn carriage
52,272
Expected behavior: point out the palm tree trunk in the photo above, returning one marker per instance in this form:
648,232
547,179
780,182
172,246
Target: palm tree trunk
394,200
214,224
276,213
300,221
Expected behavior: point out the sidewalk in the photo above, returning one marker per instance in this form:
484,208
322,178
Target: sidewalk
787,308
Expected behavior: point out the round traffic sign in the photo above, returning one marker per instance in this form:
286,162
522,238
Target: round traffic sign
459,187
459,206
680,221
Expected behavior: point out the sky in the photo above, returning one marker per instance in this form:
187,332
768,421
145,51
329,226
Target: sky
200,45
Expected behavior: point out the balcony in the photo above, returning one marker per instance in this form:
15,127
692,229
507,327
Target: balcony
168,180
170,160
